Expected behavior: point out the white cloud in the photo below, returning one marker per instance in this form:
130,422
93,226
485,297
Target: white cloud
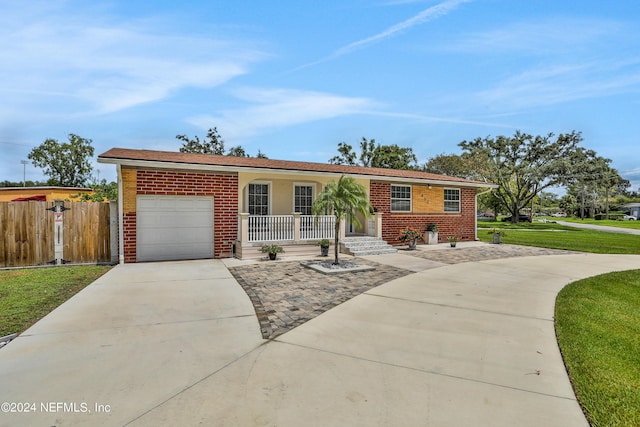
89,65
424,16
553,36
270,109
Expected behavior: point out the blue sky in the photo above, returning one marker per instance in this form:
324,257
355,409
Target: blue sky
294,78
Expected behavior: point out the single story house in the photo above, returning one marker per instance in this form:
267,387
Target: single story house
633,208
186,206
46,193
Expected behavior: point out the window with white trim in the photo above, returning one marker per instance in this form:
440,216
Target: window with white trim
452,200
302,198
258,200
400,198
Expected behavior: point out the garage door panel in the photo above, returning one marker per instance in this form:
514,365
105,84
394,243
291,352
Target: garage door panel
174,227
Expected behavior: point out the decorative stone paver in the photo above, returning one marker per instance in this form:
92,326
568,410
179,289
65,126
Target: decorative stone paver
287,294
482,253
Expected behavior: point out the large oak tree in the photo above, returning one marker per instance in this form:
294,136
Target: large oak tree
523,165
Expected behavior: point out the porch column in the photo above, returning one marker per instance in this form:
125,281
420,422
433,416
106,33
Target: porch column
377,221
243,228
296,226
343,228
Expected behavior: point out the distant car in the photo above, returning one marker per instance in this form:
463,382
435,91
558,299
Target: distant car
629,218
559,215
521,218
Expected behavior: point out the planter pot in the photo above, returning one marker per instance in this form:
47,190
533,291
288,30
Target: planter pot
453,244
432,237
412,245
272,257
324,250
496,239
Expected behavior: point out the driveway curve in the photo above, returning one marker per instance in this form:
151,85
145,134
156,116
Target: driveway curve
460,345
452,345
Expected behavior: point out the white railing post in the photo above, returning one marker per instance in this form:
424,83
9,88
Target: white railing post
296,226
378,224
243,228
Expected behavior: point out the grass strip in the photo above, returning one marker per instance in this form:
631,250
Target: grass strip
598,330
27,295
562,237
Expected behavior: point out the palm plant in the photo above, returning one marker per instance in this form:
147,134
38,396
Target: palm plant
342,198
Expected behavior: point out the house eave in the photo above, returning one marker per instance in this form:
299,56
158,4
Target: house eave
291,172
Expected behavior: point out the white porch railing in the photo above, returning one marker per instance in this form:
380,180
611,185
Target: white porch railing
317,227
295,227
270,228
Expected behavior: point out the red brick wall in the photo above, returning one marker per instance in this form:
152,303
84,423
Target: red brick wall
461,225
223,188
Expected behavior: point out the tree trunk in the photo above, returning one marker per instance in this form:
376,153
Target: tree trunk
336,261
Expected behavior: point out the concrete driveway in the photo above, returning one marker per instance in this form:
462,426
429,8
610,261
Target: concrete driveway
469,344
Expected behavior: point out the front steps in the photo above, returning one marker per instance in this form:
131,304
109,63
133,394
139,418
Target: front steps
360,246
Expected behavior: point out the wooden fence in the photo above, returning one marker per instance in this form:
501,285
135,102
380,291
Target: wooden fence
27,235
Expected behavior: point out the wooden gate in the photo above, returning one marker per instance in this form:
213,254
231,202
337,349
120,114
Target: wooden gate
27,235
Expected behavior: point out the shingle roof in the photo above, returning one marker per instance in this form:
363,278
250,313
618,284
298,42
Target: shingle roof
123,155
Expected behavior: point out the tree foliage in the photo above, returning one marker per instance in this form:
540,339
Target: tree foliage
523,165
66,164
213,144
375,156
103,192
593,181
342,198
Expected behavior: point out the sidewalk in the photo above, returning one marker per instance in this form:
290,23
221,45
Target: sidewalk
606,228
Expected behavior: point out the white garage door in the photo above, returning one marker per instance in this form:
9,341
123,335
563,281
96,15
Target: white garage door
174,227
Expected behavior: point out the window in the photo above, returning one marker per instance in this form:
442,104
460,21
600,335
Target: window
400,198
258,199
303,199
451,200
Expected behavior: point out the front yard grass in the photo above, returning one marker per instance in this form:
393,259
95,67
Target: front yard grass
609,222
598,329
27,295
556,236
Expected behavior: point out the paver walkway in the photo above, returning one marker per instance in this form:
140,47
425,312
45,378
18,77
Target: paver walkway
483,253
285,294
288,294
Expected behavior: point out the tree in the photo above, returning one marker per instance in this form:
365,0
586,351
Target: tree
342,198
523,165
103,192
214,144
465,165
375,156
593,181
66,164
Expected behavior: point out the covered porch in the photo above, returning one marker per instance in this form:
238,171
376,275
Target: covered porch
296,233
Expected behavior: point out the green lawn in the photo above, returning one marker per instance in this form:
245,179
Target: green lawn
555,236
598,330
27,295
609,222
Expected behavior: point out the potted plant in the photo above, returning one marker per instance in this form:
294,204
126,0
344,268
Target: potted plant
497,235
272,250
432,234
452,241
324,247
410,235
